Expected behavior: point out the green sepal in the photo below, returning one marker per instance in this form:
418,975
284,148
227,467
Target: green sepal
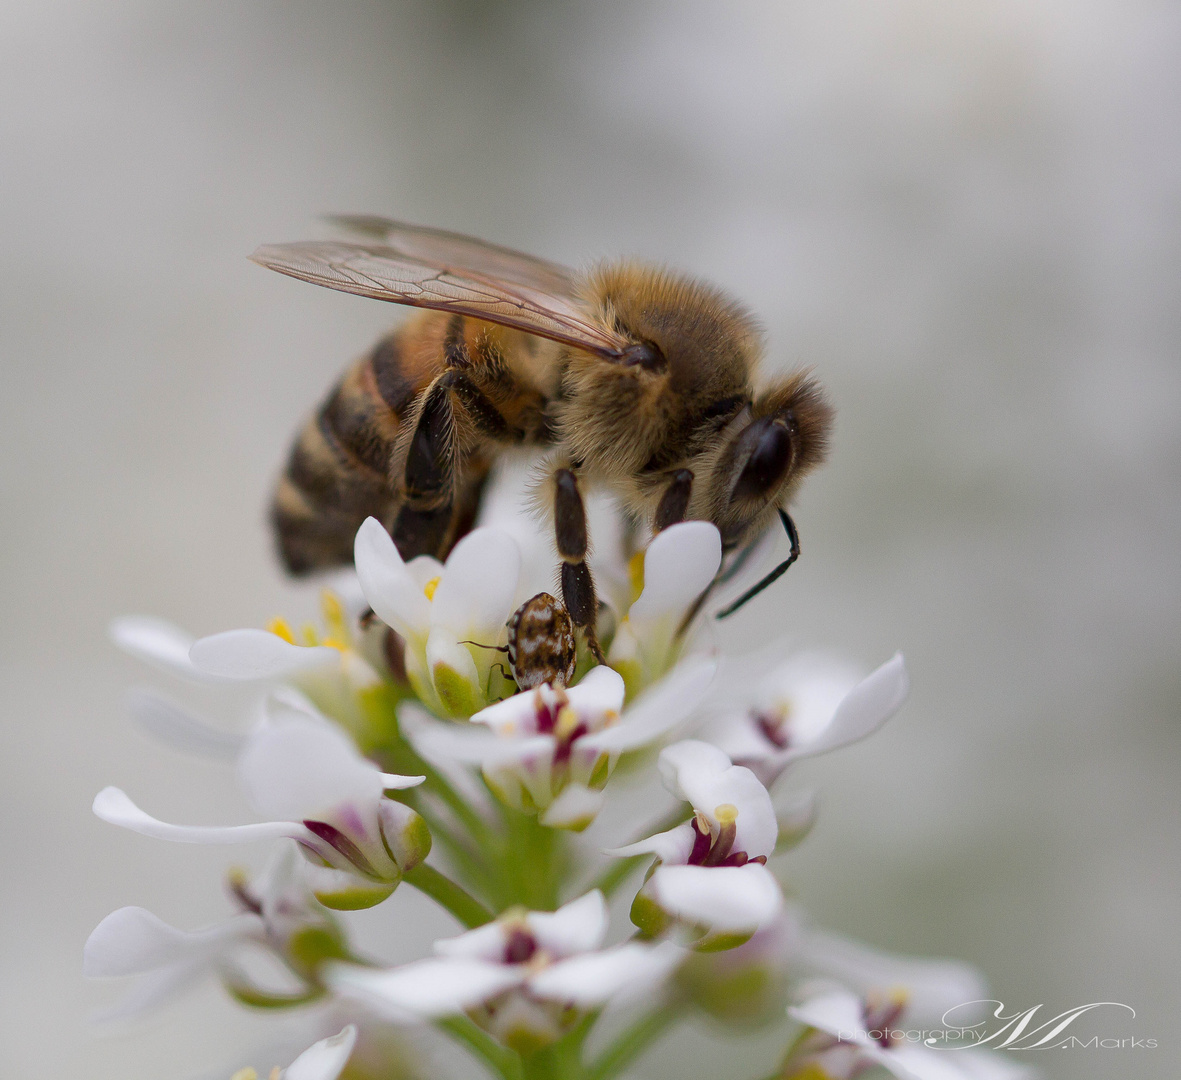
455,692
648,916
415,842
746,997
364,894
309,947
721,942
261,999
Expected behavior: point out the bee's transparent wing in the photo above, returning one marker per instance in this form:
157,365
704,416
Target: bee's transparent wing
440,247
449,272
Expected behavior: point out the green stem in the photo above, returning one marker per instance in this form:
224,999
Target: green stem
505,1062
631,1043
457,900
617,873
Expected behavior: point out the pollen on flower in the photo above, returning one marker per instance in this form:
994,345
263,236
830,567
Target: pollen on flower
278,626
430,587
566,722
334,620
726,814
245,1074
635,575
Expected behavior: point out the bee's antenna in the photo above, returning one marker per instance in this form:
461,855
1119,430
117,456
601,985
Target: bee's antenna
478,645
789,527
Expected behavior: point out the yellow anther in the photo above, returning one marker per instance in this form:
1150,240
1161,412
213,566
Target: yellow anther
635,575
245,1074
430,587
333,611
726,814
610,718
276,1073
279,628
566,722
310,636
334,643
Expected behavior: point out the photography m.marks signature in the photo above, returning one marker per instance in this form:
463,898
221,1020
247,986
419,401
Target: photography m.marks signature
1033,1029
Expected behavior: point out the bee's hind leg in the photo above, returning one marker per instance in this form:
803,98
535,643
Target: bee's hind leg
424,519
578,587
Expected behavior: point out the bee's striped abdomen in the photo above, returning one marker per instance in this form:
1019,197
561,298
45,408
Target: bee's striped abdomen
338,473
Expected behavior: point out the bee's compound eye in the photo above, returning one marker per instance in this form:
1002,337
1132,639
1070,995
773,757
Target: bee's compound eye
770,456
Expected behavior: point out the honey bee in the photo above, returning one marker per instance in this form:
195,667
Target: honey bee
633,377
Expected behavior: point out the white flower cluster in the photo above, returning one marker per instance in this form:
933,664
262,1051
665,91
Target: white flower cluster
400,734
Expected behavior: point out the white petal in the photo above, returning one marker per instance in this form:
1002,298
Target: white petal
515,715
423,569
932,986
679,563
658,710
427,988
443,648
113,806
576,927
575,808
864,709
738,737
593,978
439,741
703,775
485,942
153,990
159,643
324,1060
689,760
170,724
301,769
247,655
932,1063
132,941
391,590
837,1012
397,782
600,690
479,585
724,898
673,846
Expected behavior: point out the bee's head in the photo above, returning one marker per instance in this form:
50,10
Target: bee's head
767,451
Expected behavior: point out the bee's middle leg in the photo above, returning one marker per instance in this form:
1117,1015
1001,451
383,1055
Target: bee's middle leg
578,587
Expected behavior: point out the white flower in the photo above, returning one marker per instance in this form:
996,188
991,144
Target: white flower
437,607
324,1060
867,1007
330,669
553,750
852,1033
247,655
524,977
711,873
277,909
304,771
806,706
669,575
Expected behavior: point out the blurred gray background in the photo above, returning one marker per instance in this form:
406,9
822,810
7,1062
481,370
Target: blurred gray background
965,215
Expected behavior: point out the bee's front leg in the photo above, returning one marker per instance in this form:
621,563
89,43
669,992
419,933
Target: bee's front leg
674,503
578,587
